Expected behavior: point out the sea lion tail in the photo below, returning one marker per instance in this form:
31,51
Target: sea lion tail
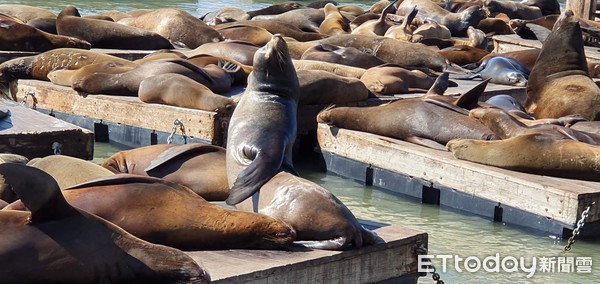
252,178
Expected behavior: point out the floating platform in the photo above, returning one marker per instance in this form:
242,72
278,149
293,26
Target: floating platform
547,204
507,43
125,54
394,261
32,134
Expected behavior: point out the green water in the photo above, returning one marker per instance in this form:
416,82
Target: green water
450,233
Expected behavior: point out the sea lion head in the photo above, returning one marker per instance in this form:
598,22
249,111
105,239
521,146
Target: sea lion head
275,233
516,79
273,69
69,10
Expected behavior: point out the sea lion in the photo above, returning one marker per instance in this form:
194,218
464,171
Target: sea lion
38,66
494,26
128,83
513,10
225,15
325,88
69,171
180,218
548,7
15,36
175,25
321,221
428,121
6,194
559,83
278,27
58,243
404,31
104,34
68,77
338,69
431,29
255,35
116,15
44,24
463,54
179,90
379,26
334,23
239,77
263,126
501,70
181,164
457,23
239,51
342,55
392,79
540,154
379,6
307,20
25,13
275,9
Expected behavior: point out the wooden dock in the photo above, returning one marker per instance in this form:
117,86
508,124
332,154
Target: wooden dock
394,261
507,43
32,134
125,54
547,204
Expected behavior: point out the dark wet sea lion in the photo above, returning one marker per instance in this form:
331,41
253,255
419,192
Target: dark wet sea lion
15,36
428,121
391,79
104,34
548,7
69,171
175,25
181,164
38,66
58,243
540,154
25,12
128,83
263,126
513,10
320,219
342,55
325,88
456,22
559,83
493,26
178,90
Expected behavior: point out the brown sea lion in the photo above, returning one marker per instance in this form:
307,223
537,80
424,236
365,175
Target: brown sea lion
240,51
239,77
334,23
325,88
307,20
431,29
457,23
6,194
342,55
116,15
128,83
493,26
181,164
68,77
68,245
392,79
104,34
513,10
180,218
379,26
278,27
175,25
161,54
320,219
540,154
38,66
25,13
548,7
15,36
255,35
463,54
428,121
338,69
275,9
404,31
225,15
69,171
559,83
263,126
379,6
178,90
44,24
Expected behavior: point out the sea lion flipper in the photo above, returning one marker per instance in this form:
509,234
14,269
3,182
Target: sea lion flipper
446,105
440,85
469,99
38,191
253,177
425,142
191,66
177,151
338,243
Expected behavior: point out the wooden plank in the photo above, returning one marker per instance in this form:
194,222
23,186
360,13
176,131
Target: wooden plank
584,9
125,54
31,134
200,124
556,198
506,43
394,258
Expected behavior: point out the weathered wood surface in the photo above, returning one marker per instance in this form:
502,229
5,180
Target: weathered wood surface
394,258
556,198
506,43
125,54
585,9
31,134
200,124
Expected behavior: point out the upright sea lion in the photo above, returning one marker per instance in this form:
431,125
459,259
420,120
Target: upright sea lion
559,83
15,36
179,90
58,243
175,25
457,23
38,66
262,128
342,55
181,164
428,121
321,221
104,34
540,154
180,218
69,171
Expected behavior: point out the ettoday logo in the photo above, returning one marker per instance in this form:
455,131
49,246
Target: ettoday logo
508,264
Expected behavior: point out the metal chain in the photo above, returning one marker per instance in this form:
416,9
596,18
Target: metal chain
578,228
32,94
422,250
177,123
